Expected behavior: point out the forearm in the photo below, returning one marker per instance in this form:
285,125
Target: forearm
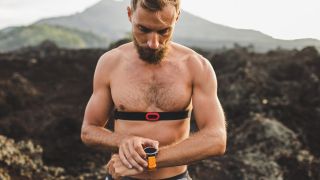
199,146
101,137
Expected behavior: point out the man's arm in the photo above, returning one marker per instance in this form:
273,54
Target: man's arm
209,115
99,107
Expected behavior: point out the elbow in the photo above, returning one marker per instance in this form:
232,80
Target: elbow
85,135
223,143
219,144
222,148
219,148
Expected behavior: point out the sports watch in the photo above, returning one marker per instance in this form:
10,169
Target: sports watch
151,157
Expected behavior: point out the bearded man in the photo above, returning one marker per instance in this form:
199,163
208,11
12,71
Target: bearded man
151,85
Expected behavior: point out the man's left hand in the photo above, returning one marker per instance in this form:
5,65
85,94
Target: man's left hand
117,169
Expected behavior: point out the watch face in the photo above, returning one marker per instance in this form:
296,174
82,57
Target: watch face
151,151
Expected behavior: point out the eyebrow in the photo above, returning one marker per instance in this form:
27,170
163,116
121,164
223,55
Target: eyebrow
148,29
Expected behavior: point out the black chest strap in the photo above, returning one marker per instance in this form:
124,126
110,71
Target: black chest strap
151,116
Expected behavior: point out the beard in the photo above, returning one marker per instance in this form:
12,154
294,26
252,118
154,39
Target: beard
151,56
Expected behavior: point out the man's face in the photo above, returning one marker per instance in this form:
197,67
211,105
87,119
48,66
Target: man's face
152,32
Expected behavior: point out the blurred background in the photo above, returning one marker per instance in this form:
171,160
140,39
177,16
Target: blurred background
265,54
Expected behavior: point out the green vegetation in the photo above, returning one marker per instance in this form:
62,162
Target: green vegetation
64,37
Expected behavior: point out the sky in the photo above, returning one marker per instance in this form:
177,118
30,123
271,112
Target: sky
282,19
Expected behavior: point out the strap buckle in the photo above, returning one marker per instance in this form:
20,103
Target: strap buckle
152,116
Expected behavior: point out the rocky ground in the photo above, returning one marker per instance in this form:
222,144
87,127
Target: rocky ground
271,101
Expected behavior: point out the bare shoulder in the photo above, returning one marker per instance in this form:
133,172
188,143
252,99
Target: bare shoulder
112,59
196,63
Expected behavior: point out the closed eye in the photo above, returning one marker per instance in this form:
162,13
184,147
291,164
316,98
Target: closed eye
144,29
164,31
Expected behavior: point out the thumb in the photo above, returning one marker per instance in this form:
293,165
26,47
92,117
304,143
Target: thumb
156,145
150,142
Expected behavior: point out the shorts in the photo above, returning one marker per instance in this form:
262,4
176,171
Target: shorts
182,176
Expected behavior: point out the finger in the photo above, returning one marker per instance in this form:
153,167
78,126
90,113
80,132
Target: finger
111,169
123,159
156,145
150,142
130,157
134,149
139,149
127,156
115,175
107,166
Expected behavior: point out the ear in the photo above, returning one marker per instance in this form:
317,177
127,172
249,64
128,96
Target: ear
129,11
178,16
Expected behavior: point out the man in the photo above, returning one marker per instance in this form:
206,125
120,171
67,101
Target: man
151,85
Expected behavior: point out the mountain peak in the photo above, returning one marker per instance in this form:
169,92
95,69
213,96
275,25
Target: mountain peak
108,18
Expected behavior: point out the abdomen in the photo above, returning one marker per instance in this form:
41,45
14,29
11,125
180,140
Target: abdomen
166,132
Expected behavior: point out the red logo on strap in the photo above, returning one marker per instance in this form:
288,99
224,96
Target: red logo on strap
152,116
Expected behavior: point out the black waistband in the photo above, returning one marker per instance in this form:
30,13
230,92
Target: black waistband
182,176
151,116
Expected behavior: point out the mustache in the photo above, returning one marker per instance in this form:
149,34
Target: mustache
149,55
149,50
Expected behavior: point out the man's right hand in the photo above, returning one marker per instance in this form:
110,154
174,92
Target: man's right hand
131,151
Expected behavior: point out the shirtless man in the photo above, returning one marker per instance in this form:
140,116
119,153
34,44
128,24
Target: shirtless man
154,74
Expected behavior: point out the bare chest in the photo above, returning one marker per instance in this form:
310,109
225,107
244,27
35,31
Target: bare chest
143,89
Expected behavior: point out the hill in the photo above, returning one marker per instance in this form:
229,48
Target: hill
109,18
17,37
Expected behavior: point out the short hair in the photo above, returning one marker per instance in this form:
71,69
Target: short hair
155,5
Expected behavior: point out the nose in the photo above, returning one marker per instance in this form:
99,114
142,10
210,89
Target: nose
153,41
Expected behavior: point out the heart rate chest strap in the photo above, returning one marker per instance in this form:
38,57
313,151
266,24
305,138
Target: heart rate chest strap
151,116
